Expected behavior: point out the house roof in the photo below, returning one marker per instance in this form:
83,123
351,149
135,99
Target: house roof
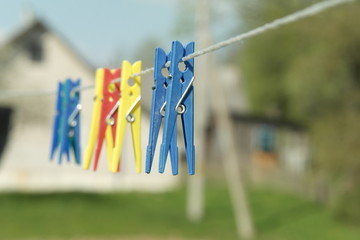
276,122
38,25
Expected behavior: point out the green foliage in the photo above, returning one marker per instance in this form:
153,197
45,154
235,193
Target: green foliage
309,72
336,138
162,216
289,70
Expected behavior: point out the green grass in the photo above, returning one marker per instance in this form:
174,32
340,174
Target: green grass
277,216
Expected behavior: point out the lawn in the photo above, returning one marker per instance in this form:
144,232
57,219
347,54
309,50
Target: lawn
277,216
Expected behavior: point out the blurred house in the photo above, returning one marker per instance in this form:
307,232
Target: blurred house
269,149
36,58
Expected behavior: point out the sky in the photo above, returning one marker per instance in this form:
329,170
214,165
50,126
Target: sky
99,29
105,30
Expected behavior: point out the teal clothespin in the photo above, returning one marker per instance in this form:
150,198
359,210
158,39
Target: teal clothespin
66,131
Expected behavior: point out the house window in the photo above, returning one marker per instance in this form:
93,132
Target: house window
35,50
4,127
266,139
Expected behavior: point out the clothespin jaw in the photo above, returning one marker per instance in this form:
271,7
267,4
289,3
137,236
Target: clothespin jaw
108,116
129,112
56,126
94,127
157,110
180,101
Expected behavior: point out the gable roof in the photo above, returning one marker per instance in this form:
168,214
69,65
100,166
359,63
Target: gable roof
39,26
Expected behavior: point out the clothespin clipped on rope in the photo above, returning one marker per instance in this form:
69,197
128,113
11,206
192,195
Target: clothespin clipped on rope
108,116
66,130
129,112
106,103
161,83
180,101
56,126
94,127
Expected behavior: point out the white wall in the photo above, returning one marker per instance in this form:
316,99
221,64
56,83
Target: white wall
25,164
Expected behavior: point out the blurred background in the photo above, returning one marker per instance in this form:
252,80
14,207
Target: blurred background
277,128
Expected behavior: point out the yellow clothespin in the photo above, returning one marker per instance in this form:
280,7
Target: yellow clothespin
129,112
94,128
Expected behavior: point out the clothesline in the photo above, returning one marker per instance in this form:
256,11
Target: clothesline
296,16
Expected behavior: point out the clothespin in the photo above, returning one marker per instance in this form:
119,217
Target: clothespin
108,116
94,127
57,118
129,112
158,112
180,101
67,121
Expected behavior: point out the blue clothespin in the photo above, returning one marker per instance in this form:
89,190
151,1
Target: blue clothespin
180,101
157,113
56,127
67,121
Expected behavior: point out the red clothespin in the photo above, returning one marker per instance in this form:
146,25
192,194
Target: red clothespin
108,116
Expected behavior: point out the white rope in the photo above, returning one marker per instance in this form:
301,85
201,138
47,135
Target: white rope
307,12
25,93
296,16
82,88
4,94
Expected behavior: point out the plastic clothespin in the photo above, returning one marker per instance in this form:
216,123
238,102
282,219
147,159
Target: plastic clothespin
180,101
158,111
129,112
57,119
67,125
94,127
73,121
108,116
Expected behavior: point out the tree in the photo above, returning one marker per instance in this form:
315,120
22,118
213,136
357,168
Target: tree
309,72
